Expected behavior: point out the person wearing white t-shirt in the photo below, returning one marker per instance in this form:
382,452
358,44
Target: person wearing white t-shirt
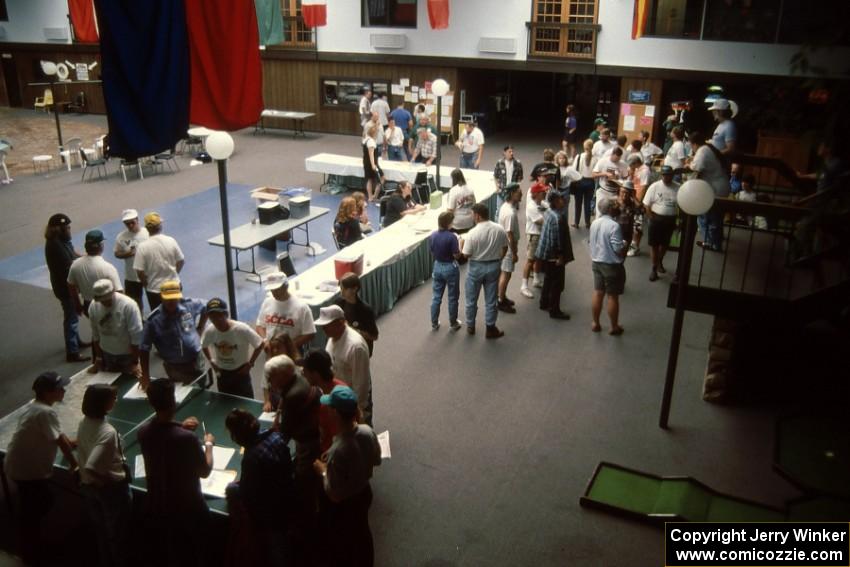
610,172
460,202
485,246
29,460
726,134
583,191
365,106
620,143
394,137
86,270
676,155
284,319
648,150
603,144
535,209
708,166
117,329
471,146
125,249
639,174
382,108
660,202
232,347
158,260
509,221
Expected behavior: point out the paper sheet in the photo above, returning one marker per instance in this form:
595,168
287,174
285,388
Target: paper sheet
649,111
216,483
415,88
404,82
448,100
645,121
102,377
267,416
626,108
181,391
384,442
139,467
397,90
136,393
446,110
408,97
222,456
629,123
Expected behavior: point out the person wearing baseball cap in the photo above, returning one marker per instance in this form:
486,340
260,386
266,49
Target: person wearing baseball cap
174,328
555,251
598,125
232,348
661,210
350,355
59,254
88,269
30,456
157,260
284,321
346,470
126,244
117,327
535,209
726,133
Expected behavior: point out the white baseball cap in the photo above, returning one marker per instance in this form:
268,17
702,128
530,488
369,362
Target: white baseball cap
720,104
276,280
129,214
329,314
102,288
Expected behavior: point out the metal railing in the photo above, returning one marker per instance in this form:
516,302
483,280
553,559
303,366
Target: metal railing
562,40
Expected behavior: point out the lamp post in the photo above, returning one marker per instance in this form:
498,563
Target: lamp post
440,88
695,198
49,69
220,147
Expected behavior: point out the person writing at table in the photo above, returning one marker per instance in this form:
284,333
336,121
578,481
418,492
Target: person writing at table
401,204
347,223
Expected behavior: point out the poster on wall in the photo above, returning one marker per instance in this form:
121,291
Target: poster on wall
82,71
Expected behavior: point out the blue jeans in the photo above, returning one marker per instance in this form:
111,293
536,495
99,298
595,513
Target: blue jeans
110,510
70,326
486,274
711,225
395,153
445,274
583,192
467,161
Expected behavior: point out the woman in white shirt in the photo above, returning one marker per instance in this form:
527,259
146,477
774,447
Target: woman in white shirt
104,475
461,199
371,171
583,190
675,157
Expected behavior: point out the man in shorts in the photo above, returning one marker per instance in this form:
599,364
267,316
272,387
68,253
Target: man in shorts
607,251
660,202
508,220
534,211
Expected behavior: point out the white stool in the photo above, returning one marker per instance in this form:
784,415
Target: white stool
42,161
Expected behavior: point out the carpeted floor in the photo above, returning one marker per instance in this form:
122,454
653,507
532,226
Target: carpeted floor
493,442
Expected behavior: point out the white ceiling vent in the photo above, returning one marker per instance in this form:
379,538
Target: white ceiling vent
56,34
388,40
497,45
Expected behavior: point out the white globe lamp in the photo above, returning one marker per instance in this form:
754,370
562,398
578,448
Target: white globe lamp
219,145
440,87
695,197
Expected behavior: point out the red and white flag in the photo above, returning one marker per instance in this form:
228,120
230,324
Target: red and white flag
315,13
438,14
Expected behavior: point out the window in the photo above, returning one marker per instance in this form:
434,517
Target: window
346,93
564,28
675,18
741,20
295,33
388,13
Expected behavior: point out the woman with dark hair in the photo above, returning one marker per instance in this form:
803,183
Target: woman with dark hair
583,190
461,199
347,223
104,475
60,254
570,139
445,248
371,171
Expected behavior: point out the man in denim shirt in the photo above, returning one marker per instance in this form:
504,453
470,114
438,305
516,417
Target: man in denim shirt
174,329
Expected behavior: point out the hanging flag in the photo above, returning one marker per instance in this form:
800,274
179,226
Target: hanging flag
269,21
438,14
640,17
315,13
82,18
226,72
145,72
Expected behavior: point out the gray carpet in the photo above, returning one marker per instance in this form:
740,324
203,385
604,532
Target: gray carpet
493,441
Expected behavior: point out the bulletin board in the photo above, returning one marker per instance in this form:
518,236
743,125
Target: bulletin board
634,119
446,107
415,94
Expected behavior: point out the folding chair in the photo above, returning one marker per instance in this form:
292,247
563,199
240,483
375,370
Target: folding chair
96,164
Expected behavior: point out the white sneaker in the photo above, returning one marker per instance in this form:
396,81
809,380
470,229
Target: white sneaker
633,251
525,292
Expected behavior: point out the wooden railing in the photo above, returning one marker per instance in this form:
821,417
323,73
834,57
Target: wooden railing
563,41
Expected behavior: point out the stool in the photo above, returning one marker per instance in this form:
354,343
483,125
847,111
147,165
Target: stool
42,161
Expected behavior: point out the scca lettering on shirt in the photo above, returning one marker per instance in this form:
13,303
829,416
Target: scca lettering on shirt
280,321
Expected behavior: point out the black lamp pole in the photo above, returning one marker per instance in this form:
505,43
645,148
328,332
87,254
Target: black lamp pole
52,80
225,225
439,140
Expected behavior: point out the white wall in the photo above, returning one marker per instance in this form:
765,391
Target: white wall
616,47
468,21
28,18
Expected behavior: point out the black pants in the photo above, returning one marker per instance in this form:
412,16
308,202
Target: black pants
134,291
154,299
236,382
180,541
553,286
349,522
35,500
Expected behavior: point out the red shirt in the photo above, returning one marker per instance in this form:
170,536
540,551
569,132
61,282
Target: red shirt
327,426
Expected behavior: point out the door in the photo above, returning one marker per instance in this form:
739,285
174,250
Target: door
10,76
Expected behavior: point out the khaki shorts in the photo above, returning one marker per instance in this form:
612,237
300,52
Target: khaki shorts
531,248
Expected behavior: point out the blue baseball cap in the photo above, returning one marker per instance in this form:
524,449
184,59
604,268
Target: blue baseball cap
341,398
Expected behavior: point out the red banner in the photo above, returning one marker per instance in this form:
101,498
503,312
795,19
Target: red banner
438,14
315,15
82,18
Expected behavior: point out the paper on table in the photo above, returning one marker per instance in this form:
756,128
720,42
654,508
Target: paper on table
629,122
102,377
216,483
404,82
267,416
139,467
180,392
384,442
397,90
136,393
649,110
222,456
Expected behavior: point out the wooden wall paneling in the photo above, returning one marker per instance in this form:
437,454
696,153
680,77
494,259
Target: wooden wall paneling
28,60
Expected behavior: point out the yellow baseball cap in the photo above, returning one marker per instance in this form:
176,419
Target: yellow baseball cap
153,219
171,290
